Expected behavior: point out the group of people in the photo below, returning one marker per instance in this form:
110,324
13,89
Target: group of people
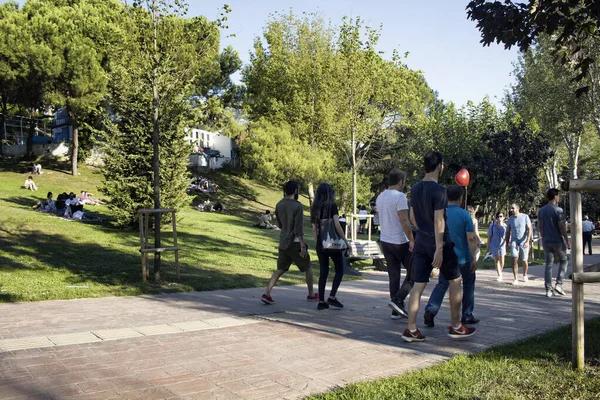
204,185
433,236
67,205
209,206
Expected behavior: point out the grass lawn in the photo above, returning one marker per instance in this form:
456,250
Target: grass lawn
536,368
43,257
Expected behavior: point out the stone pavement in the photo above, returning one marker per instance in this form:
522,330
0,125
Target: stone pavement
227,345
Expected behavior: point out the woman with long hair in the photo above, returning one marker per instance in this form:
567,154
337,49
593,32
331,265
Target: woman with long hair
496,243
324,207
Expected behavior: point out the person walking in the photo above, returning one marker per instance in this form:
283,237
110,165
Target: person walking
396,239
588,229
496,243
324,207
292,248
473,213
518,235
462,234
433,249
551,224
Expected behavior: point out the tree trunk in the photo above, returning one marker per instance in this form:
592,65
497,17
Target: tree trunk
2,133
311,192
30,134
552,174
75,143
354,189
155,144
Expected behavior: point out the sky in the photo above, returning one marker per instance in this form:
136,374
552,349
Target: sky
441,41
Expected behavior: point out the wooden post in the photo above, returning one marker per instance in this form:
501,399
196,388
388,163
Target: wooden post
142,241
175,245
577,356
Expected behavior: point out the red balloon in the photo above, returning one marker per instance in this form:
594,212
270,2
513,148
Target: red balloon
462,177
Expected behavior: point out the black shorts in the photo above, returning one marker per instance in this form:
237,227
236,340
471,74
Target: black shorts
423,257
292,255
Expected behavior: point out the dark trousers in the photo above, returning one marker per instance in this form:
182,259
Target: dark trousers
338,262
587,238
397,255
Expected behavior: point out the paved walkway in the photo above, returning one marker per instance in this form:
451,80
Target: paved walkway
227,345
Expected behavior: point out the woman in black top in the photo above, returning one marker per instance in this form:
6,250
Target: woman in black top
324,207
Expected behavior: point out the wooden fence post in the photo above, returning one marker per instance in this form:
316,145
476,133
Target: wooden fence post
577,332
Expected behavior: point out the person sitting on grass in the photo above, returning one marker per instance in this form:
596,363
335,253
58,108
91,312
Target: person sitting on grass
265,221
30,184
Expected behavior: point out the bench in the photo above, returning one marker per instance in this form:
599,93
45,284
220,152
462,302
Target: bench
367,250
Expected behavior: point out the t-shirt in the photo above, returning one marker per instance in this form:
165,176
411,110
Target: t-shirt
459,223
587,226
290,214
550,215
328,211
497,235
426,197
387,206
518,228
362,212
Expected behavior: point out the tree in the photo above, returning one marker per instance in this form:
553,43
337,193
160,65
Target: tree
155,95
82,33
28,66
574,25
545,92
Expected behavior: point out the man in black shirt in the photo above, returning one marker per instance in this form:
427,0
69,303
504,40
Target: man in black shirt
433,248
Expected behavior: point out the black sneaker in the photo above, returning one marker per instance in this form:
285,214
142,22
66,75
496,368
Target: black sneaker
398,306
428,319
470,321
334,303
395,315
322,306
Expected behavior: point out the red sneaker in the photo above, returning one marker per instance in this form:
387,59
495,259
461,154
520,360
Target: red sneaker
314,297
412,337
267,299
462,332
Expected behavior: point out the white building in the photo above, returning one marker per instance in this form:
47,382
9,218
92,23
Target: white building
217,148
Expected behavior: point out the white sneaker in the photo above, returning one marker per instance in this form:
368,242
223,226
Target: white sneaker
499,279
559,290
525,278
515,282
548,293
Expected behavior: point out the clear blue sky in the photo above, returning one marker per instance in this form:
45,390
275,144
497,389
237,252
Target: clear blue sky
441,41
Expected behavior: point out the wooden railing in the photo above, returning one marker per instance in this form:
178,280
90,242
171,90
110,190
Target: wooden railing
575,187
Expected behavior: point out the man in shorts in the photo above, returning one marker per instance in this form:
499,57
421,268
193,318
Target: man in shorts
433,249
292,248
518,237
396,239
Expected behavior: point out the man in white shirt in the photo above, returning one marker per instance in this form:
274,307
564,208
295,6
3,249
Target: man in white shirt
588,228
396,239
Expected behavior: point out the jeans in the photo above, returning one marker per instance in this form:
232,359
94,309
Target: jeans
468,298
558,250
338,262
397,255
587,238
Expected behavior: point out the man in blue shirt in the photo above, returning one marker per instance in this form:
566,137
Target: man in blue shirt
462,234
518,237
433,248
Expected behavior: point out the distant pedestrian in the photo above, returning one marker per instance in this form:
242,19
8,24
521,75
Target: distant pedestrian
30,184
551,223
292,248
518,235
472,212
462,234
362,220
588,229
433,249
396,239
496,243
324,207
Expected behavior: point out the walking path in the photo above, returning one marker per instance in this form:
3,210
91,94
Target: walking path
227,345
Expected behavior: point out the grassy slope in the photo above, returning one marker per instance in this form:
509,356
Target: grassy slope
41,255
536,368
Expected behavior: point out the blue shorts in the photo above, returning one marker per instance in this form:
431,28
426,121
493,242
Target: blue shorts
518,251
498,251
423,257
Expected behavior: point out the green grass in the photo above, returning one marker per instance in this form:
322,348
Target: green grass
536,368
42,257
